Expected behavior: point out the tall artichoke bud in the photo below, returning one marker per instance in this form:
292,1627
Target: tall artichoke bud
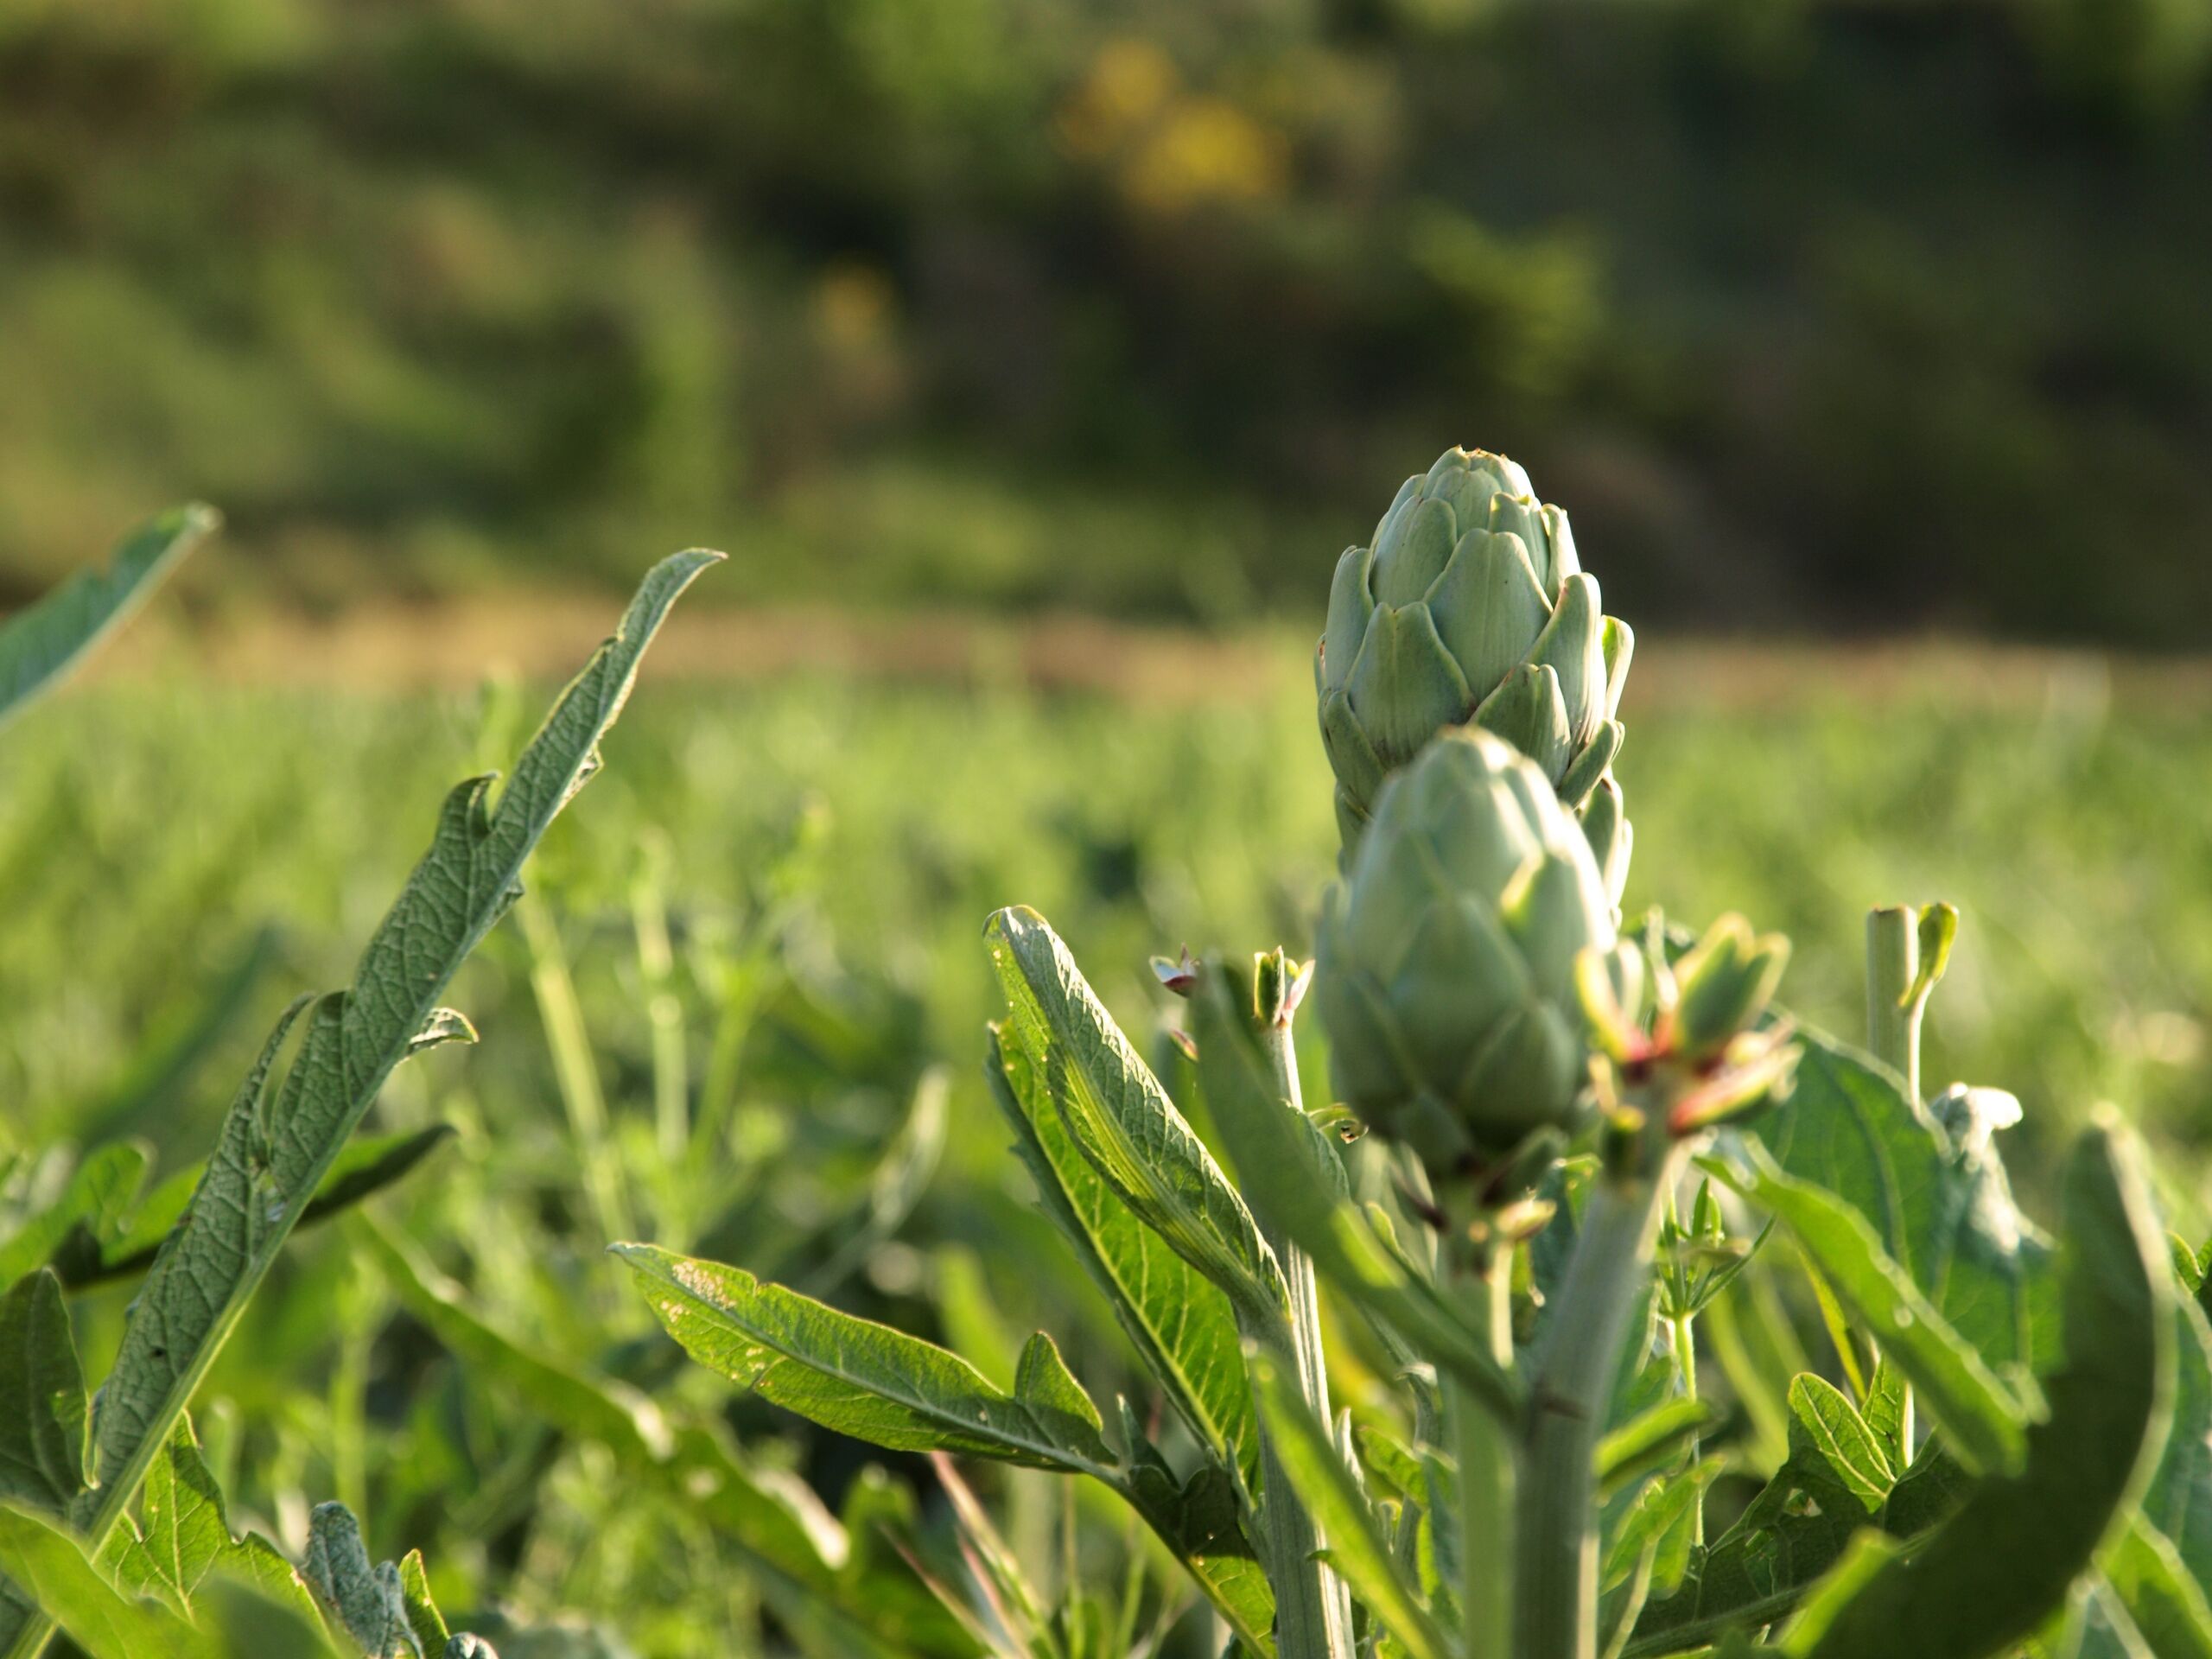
1611,836
1447,977
1470,607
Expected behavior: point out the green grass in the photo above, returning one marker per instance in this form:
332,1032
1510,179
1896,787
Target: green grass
147,830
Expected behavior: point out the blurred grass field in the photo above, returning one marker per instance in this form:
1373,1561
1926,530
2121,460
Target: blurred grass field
149,826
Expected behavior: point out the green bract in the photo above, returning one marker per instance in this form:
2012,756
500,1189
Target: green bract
1470,607
1446,967
1727,981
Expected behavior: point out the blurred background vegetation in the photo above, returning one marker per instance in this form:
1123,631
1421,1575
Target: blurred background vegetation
1834,314
1034,359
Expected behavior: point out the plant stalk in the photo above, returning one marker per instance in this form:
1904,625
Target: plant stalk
1685,1334
1893,1028
1892,964
1312,1605
1555,1601
1489,1479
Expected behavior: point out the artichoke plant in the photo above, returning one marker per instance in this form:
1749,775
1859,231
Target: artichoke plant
1447,974
1469,607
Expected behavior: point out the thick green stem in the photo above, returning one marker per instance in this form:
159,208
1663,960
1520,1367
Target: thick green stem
1312,1606
1686,1358
1488,1477
1893,1025
1892,964
1685,1334
1555,1601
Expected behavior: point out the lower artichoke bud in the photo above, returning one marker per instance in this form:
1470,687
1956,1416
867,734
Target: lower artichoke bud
1447,977
1468,606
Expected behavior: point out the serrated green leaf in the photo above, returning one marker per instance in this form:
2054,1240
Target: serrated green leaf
101,1192
1842,1437
1943,1211
1309,1454
2188,1266
861,1378
42,1407
1391,1464
1929,1492
183,1534
1436,1539
1658,1508
271,1157
795,1546
1122,1119
367,1165
39,645
2166,1606
1181,1325
1797,1528
1043,1381
1751,1581
1887,1397
2178,1501
361,1598
68,1590
1201,1521
422,1615
1651,1437
1983,1418
177,1536
1299,1182
1991,1574
266,1168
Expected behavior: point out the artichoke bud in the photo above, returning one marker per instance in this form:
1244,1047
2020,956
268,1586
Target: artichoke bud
1448,956
1611,836
1726,983
1469,606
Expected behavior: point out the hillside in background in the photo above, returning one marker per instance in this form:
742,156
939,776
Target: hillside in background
1848,317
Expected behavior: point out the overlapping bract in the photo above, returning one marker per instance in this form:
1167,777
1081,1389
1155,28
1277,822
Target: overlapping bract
1447,968
1469,607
